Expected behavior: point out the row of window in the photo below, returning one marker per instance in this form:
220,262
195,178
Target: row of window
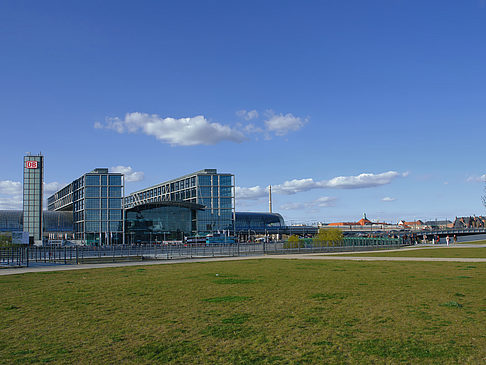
103,180
188,187
95,191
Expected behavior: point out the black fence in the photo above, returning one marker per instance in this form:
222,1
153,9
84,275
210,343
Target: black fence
54,255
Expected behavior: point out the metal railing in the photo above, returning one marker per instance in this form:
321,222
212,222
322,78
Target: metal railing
53,255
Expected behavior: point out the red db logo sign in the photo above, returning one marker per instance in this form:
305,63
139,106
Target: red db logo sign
31,164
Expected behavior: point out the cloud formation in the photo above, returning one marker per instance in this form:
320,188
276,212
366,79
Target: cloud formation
481,178
247,114
177,132
9,187
361,181
322,202
388,199
198,130
130,175
281,124
11,193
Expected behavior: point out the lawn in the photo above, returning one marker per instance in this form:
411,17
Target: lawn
248,312
454,252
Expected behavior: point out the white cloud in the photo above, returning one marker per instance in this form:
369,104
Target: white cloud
365,180
361,181
130,175
11,202
9,187
388,199
322,202
178,132
473,178
52,187
282,124
253,193
247,115
11,193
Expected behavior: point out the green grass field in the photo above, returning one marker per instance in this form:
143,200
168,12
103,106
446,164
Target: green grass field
248,312
454,252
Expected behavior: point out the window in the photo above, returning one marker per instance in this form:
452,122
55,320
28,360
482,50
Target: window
115,214
92,192
115,203
115,192
204,180
225,191
104,179
226,202
92,179
92,215
205,191
116,226
215,179
103,203
225,180
92,203
114,179
92,226
104,191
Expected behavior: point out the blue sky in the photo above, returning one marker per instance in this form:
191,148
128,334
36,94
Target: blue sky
344,107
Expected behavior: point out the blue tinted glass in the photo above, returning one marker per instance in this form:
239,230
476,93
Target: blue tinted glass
92,215
115,214
204,180
92,226
92,179
103,191
115,226
115,203
215,180
103,203
92,192
115,192
205,191
104,179
226,202
103,215
225,191
115,179
92,203
225,180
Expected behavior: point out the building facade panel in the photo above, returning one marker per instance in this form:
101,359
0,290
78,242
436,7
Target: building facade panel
213,190
95,200
33,181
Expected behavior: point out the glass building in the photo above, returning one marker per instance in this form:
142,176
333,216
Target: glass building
95,200
160,221
32,199
214,191
56,225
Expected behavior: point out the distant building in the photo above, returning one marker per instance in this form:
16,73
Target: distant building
95,201
33,195
439,224
206,189
469,222
415,225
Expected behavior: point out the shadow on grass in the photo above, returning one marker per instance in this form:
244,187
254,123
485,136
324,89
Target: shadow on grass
406,350
166,352
226,299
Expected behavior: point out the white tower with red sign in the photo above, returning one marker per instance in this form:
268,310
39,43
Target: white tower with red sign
33,195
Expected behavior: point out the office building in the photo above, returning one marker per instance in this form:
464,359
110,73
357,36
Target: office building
208,196
95,200
33,195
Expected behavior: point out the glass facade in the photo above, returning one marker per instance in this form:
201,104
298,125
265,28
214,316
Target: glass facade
96,202
213,190
33,195
156,222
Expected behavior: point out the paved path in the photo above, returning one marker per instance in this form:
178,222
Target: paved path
315,256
